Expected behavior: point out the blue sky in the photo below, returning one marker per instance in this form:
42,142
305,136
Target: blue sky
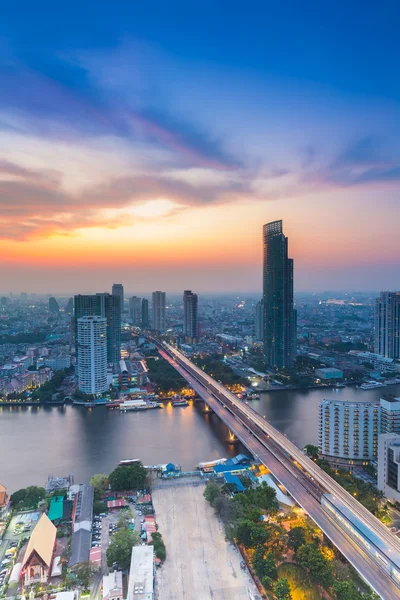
149,118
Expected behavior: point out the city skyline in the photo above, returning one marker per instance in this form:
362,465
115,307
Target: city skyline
140,147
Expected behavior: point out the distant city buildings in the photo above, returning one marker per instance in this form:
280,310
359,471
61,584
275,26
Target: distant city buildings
107,306
118,291
158,310
190,317
259,321
135,310
387,325
279,314
145,313
92,354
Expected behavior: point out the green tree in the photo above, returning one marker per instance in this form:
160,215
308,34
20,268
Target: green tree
270,566
100,483
128,477
317,566
212,491
85,573
259,562
345,590
28,497
244,533
296,538
120,549
311,450
282,589
259,535
99,507
159,546
267,582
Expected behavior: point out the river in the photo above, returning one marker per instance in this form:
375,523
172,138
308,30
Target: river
37,442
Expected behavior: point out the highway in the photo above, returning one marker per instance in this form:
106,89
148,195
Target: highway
303,479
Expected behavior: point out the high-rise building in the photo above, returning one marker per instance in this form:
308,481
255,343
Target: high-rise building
348,432
190,319
389,466
53,306
92,354
135,310
107,306
259,321
390,414
145,313
279,314
118,290
387,325
158,309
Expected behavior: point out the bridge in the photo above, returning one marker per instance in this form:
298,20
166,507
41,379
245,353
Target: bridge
375,556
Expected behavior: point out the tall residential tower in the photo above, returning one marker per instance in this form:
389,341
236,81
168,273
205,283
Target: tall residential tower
387,325
279,314
158,311
92,354
107,306
190,319
118,290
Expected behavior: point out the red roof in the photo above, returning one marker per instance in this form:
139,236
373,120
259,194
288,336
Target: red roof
95,555
116,503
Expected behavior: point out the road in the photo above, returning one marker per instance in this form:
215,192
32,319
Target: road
303,479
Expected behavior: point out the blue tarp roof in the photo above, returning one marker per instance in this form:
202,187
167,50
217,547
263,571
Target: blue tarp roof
229,478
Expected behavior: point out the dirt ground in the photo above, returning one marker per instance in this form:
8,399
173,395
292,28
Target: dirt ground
200,564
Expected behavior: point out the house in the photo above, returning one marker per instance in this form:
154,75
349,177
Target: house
112,586
36,565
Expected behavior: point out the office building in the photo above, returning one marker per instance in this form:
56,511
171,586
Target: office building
190,319
387,325
348,432
279,314
135,310
53,306
158,308
145,313
107,306
259,322
389,466
118,290
92,354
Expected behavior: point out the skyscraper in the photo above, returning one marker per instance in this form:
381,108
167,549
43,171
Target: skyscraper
135,310
279,314
190,320
118,290
387,325
53,306
259,321
145,313
158,311
92,354
107,306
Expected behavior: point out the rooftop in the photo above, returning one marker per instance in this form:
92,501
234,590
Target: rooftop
141,576
41,541
80,547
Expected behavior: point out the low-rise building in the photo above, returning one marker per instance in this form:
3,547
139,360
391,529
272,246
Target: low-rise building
112,586
36,565
328,373
141,575
4,501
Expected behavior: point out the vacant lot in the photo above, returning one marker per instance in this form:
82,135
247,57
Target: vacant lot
200,564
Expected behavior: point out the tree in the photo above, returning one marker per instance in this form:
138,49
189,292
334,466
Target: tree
259,563
244,533
28,497
159,546
99,507
212,491
100,483
318,567
345,590
282,589
270,566
267,582
296,538
85,572
311,450
120,548
128,477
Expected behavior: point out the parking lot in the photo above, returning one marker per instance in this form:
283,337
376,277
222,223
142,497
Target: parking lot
20,527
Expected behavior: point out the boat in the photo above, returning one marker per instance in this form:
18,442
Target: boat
128,461
180,402
340,385
371,385
135,405
211,463
252,394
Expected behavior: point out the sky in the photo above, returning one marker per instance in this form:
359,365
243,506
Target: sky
148,143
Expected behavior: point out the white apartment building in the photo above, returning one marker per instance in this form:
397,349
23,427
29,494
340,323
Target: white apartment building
348,432
389,465
92,354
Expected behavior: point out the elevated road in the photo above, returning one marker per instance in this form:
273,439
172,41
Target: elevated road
303,479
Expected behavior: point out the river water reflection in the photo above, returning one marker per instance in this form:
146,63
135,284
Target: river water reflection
37,442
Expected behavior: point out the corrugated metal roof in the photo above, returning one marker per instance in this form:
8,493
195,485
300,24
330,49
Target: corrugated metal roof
85,503
80,547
